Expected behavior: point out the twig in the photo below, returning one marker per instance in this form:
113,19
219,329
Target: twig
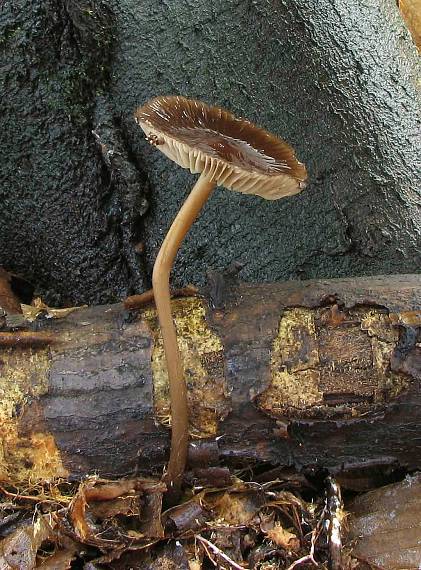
314,536
138,301
34,498
308,557
207,544
335,516
27,339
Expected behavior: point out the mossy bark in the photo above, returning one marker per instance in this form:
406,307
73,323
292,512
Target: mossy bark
69,196
318,374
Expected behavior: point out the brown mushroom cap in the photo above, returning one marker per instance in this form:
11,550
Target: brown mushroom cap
238,155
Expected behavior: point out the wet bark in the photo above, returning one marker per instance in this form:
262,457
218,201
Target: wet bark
75,170
315,375
71,199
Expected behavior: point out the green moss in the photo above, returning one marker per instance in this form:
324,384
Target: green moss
10,33
70,90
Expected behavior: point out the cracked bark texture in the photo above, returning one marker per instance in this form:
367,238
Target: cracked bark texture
336,78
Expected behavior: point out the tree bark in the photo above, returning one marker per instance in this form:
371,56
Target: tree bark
317,374
71,199
336,79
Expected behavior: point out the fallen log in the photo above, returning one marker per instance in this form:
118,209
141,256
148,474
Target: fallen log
315,374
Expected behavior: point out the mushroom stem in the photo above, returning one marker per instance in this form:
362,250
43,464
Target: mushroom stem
160,281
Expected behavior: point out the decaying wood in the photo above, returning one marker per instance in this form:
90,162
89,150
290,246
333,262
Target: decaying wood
384,525
411,11
316,374
8,300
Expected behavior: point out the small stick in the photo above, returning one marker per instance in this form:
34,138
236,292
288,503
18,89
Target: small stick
307,557
34,498
314,536
217,552
26,339
138,301
335,514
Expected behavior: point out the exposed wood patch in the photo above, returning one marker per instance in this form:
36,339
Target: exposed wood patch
203,356
332,363
25,455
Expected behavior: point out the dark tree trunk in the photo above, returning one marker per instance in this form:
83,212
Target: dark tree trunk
69,210
337,79
320,374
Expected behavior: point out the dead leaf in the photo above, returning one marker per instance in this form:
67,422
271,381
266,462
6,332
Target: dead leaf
108,491
286,498
98,508
122,506
38,307
267,520
283,538
60,560
123,522
80,510
238,508
18,551
77,514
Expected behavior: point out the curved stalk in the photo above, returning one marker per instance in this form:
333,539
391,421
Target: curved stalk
160,282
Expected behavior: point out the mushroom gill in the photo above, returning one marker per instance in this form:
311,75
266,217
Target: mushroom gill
239,155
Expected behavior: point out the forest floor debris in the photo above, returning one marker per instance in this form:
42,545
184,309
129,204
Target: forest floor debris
122,524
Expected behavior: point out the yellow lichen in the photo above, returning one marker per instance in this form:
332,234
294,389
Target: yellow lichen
295,347
24,376
203,360
319,364
294,380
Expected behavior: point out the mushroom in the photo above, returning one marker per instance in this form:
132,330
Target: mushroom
226,151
